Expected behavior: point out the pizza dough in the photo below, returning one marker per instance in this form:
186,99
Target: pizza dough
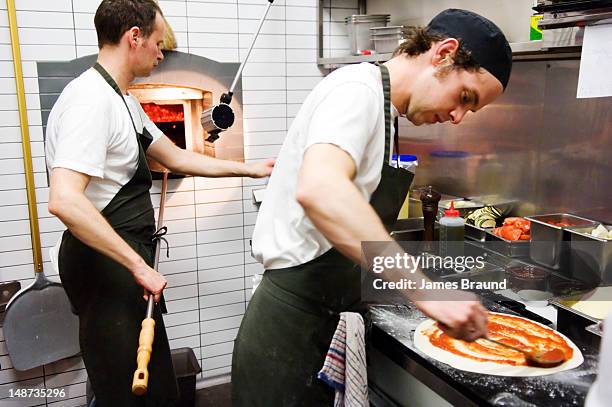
422,343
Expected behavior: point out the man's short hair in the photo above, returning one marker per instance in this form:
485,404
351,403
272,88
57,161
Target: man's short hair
114,17
482,43
418,40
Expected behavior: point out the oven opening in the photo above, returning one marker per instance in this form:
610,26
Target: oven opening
170,119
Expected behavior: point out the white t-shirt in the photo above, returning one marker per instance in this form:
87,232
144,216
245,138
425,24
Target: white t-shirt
89,130
345,109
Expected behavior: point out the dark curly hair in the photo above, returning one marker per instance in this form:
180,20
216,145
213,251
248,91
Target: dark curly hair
418,40
115,17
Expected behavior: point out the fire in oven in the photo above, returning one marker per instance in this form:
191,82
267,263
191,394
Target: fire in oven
170,119
176,111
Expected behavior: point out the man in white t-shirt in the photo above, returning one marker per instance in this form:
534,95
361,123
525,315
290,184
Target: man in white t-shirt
333,188
97,141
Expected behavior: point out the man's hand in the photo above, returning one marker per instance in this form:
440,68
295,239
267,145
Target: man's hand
261,169
151,281
466,319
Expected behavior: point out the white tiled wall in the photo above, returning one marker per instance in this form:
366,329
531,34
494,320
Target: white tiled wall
210,221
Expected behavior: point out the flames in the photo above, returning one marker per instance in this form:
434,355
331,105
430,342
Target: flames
164,113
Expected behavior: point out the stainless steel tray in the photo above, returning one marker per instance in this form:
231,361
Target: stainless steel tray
548,247
590,256
510,248
475,233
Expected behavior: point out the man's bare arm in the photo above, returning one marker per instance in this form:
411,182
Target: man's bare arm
336,207
188,162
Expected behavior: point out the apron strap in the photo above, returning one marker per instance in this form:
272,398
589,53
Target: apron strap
109,79
158,237
384,72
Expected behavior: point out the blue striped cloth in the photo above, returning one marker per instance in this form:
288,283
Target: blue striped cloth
345,368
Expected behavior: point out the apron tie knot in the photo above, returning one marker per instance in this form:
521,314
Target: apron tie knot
159,236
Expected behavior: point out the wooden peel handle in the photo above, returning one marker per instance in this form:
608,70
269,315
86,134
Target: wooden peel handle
140,383
145,346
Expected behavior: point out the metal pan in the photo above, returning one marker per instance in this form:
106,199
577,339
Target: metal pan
475,233
549,247
510,248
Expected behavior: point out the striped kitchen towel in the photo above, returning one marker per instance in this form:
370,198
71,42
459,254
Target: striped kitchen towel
345,368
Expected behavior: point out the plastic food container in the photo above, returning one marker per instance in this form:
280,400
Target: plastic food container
359,25
548,235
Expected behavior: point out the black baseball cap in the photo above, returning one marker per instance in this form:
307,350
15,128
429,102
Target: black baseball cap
478,35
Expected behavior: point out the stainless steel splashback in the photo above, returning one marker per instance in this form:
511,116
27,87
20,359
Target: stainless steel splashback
537,143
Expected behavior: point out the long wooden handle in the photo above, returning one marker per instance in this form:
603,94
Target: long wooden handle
25,138
140,383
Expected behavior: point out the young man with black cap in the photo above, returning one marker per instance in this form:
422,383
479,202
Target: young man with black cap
333,188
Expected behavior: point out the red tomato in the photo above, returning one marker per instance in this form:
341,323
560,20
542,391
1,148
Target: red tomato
511,233
511,220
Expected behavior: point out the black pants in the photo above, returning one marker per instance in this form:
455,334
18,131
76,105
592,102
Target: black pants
287,330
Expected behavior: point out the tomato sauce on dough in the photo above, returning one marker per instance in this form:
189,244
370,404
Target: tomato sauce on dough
508,329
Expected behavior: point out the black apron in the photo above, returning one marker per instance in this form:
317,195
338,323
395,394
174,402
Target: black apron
108,300
288,326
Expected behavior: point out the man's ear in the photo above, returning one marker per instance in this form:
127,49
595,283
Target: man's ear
444,52
133,36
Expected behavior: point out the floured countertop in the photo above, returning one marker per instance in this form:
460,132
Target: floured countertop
568,388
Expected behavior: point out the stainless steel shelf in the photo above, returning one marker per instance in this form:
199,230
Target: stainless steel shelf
527,46
520,50
352,59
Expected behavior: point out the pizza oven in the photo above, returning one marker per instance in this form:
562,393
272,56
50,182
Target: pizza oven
173,96
176,111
